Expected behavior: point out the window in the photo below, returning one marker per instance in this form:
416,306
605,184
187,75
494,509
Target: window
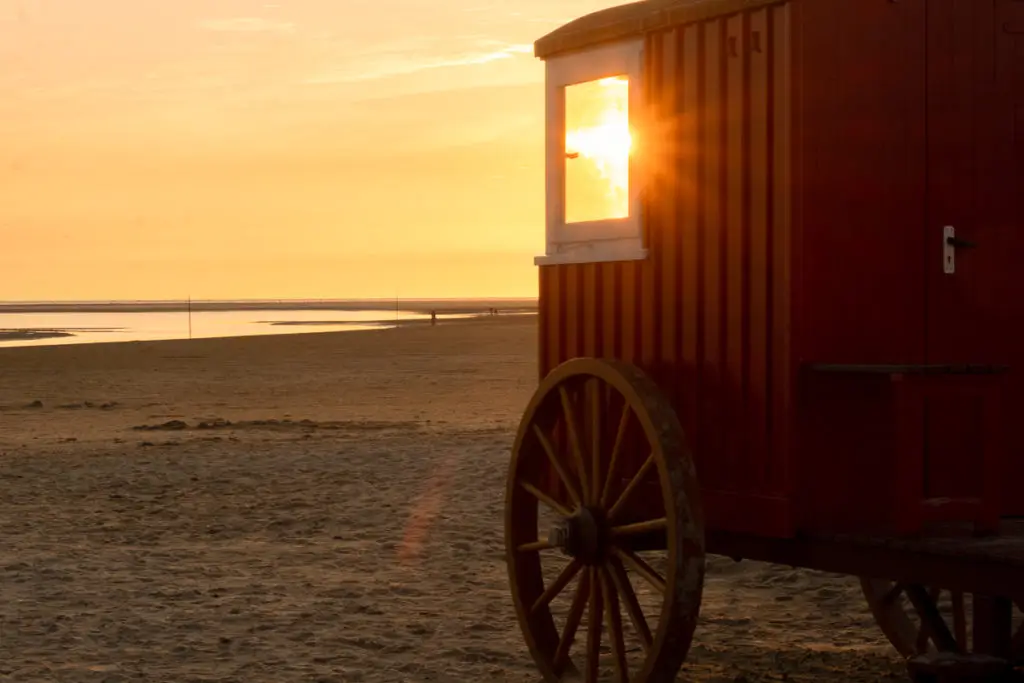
594,103
597,146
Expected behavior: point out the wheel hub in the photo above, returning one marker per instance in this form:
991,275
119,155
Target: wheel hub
581,536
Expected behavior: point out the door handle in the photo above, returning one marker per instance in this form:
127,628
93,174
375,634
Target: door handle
958,243
950,243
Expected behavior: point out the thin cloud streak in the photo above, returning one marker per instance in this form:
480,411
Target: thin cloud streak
403,66
246,25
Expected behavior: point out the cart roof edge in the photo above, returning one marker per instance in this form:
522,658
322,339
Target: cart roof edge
635,19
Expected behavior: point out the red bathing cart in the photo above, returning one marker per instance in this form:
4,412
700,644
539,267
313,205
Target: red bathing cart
781,319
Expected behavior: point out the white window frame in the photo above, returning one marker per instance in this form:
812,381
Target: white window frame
614,239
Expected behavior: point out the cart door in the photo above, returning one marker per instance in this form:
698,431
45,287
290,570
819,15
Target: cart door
975,221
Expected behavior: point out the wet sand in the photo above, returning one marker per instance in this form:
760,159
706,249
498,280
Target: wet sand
32,334
322,507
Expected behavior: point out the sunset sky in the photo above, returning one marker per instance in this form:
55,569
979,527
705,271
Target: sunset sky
247,148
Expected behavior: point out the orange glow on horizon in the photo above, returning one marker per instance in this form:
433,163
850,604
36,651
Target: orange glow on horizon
255,149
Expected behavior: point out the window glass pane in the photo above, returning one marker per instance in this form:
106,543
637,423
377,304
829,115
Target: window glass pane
597,147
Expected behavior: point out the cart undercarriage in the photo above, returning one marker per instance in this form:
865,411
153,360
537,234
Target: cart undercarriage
620,540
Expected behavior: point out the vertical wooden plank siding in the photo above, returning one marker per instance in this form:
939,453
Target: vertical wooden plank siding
543,324
666,102
759,234
690,175
735,272
650,292
783,248
1006,66
706,313
592,345
611,285
710,200
573,303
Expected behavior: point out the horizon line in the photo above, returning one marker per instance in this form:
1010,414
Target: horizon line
21,302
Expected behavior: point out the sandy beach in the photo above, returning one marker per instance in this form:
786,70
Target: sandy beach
321,507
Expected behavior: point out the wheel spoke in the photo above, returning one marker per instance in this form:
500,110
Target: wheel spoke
642,568
534,546
594,394
893,593
572,622
921,644
625,590
1017,645
545,498
932,624
620,436
553,459
557,586
633,483
639,527
959,621
574,439
613,621
594,627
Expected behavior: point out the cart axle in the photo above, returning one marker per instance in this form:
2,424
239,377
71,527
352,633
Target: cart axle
582,536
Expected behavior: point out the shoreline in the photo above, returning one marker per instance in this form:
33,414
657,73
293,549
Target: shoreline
464,306
362,327
385,322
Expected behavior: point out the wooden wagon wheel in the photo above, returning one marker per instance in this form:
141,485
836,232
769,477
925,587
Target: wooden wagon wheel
577,457
917,619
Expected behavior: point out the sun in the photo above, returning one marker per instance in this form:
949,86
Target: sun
598,145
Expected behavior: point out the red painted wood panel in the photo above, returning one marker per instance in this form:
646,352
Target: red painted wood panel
698,313
859,263
1005,220
789,222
